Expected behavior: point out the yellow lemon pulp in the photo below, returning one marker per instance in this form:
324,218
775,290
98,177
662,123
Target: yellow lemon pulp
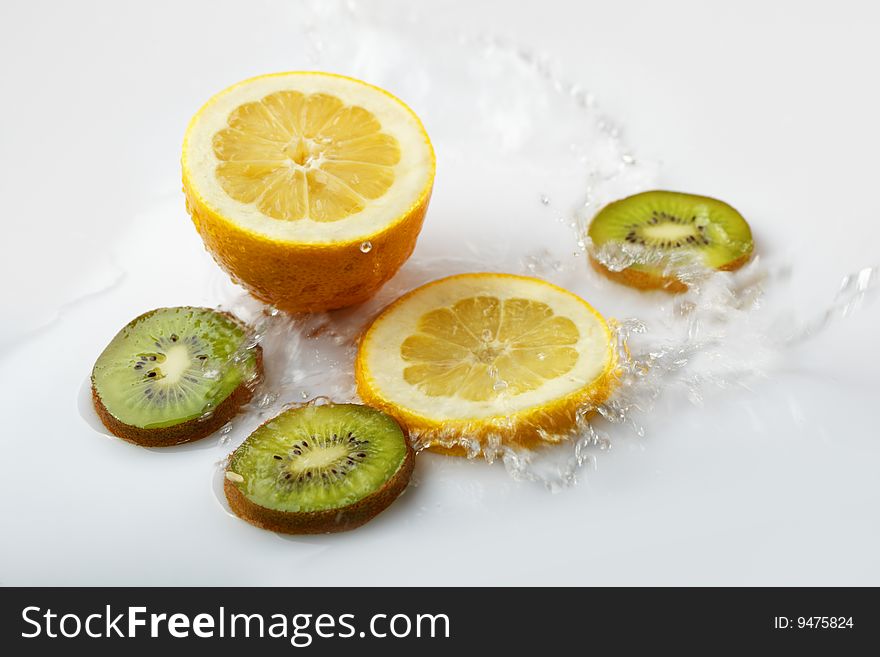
476,355
299,155
482,347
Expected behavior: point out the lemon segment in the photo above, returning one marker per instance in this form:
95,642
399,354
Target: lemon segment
285,155
303,156
477,354
469,351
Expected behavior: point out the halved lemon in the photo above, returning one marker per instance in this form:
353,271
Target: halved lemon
308,188
480,355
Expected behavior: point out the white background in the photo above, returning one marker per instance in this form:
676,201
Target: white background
773,104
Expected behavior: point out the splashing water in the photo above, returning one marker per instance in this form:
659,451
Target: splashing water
854,290
717,336
492,104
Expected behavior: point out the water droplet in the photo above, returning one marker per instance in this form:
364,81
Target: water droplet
472,446
499,385
366,247
545,200
304,394
487,335
266,400
541,355
224,433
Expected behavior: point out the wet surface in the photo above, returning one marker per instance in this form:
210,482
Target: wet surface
525,157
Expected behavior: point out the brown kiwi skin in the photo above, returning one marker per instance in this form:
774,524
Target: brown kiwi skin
191,430
645,281
328,521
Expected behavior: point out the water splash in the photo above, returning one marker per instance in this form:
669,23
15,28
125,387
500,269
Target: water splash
556,144
717,336
855,289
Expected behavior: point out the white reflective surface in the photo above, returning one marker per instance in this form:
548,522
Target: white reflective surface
769,482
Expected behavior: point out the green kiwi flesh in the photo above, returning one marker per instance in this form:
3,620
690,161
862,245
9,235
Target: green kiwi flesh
175,374
678,225
319,468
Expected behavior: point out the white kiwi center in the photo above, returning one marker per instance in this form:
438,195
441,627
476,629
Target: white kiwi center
668,231
319,458
177,361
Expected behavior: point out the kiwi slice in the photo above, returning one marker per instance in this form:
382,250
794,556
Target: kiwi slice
319,469
667,230
174,375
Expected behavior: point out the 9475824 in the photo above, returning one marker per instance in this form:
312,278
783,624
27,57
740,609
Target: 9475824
812,622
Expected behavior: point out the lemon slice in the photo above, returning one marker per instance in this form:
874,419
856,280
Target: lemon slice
308,188
477,355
